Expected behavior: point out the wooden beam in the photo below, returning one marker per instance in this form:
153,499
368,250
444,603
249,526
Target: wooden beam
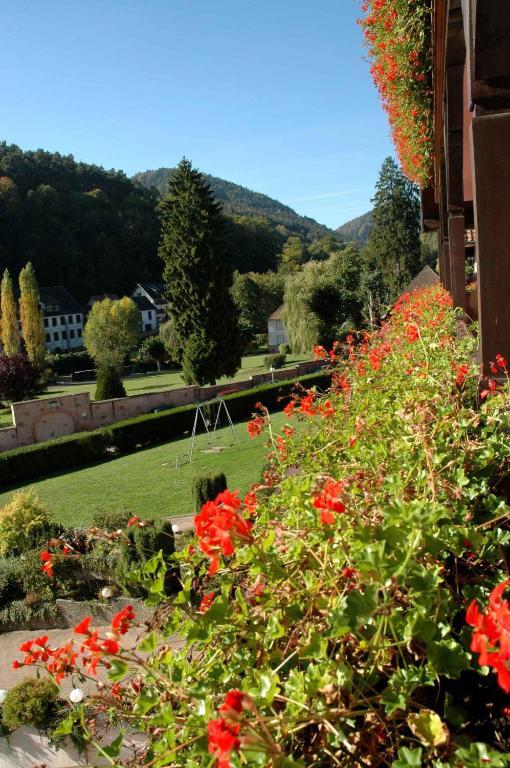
490,142
447,278
457,260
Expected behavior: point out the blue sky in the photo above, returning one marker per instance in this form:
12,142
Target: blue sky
271,94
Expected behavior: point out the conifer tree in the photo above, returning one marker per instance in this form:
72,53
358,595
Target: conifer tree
31,316
198,278
394,245
9,322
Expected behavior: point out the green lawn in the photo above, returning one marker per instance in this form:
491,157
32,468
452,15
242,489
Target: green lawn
148,482
155,382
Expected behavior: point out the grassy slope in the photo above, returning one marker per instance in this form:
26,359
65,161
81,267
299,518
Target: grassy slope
156,382
147,482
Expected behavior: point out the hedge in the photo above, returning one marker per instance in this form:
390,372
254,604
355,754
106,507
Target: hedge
22,465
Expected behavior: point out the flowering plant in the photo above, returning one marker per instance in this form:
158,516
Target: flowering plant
331,628
398,38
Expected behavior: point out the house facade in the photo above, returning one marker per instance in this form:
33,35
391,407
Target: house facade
148,316
63,319
154,293
276,331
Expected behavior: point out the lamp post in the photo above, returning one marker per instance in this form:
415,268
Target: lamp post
272,374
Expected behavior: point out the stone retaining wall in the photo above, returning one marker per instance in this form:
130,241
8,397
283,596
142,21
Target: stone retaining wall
38,420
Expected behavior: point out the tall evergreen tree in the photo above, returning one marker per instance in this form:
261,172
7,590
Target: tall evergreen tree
9,321
394,244
31,316
198,278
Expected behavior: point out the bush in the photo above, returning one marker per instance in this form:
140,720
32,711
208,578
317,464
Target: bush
284,349
111,520
10,580
138,545
28,463
206,488
23,520
275,361
64,364
261,340
19,378
109,384
30,702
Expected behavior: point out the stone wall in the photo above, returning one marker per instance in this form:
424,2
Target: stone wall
38,420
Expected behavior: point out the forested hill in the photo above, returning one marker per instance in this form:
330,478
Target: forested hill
89,229
358,229
240,201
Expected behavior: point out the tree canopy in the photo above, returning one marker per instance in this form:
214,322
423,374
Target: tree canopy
112,331
198,278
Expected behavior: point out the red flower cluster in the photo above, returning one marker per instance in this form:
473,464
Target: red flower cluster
329,501
219,525
255,427
223,733
206,602
61,661
48,558
401,71
461,371
491,638
500,365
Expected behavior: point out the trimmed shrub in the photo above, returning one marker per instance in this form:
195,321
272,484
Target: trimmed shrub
108,384
206,488
64,364
23,520
30,702
284,349
111,520
275,361
24,464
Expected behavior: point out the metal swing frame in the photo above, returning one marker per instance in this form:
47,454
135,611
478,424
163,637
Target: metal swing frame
210,426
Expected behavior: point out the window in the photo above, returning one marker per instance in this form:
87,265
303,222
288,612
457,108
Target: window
148,327
48,338
149,314
53,321
79,333
70,318
45,322
78,318
63,320
56,336
278,325
64,335
72,333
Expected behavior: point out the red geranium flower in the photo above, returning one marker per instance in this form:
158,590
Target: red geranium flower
329,501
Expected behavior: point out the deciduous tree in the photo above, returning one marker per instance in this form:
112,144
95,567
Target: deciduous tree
31,316
112,331
9,317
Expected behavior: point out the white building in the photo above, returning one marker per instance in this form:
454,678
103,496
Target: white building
276,331
148,316
155,294
62,319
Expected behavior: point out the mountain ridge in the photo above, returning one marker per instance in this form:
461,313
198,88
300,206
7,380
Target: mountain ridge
357,229
238,200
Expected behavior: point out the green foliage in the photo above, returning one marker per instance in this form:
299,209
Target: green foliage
323,299
198,279
394,243
92,230
339,608
153,348
284,349
22,521
206,488
112,331
276,361
109,383
10,580
111,520
9,333
30,702
138,546
28,463
64,364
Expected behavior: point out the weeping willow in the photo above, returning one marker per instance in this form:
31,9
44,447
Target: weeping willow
302,324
